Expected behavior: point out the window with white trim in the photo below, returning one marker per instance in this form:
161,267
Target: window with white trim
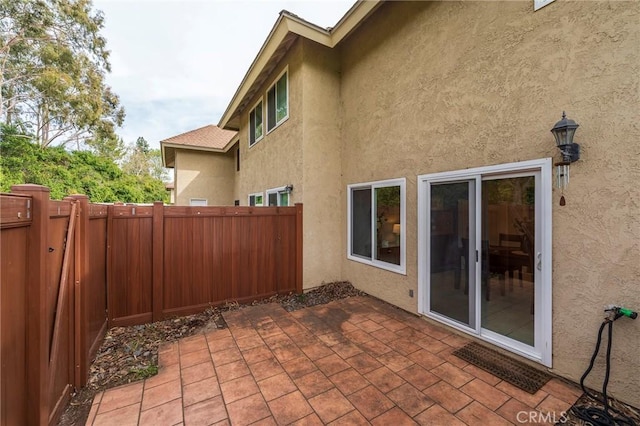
255,124
278,101
278,197
376,224
256,199
197,201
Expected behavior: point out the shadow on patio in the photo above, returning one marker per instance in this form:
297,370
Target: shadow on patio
353,361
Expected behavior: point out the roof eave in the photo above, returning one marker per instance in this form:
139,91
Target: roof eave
289,23
164,157
353,18
164,146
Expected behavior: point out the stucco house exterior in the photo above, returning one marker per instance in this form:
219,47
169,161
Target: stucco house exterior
203,166
171,189
416,134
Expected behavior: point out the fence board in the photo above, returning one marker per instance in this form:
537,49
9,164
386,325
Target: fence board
97,211
16,210
13,328
59,208
56,243
130,278
96,281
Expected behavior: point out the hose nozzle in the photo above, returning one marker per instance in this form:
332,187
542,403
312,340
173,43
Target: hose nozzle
619,311
627,313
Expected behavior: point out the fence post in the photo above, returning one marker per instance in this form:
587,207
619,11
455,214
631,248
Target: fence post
81,253
298,248
109,264
157,264
36,322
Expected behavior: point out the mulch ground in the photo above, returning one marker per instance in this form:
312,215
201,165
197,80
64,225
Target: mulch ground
129,354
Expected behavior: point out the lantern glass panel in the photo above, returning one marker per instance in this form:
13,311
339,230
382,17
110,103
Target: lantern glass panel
561,136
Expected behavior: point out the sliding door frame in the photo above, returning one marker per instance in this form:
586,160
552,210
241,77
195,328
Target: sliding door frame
542,350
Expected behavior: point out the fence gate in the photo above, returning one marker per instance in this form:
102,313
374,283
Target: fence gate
52,300
63,218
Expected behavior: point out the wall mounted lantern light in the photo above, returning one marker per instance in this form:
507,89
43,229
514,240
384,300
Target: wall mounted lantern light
563,132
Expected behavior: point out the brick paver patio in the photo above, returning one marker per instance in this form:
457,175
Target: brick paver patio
353,361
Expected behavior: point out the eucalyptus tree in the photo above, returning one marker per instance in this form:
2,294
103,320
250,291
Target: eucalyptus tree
53,62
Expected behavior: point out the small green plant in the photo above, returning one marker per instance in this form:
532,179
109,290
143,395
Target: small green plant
145,372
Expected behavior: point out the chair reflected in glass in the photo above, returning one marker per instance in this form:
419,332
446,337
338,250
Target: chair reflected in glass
513,253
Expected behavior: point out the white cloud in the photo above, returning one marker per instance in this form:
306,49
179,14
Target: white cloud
176,64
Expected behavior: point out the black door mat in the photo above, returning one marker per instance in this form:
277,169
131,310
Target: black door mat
510,370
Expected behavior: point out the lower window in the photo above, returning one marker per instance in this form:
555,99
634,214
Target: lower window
278,197
256,199
377,224
197,202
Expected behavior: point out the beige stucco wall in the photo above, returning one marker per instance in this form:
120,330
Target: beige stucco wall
201,174
276,160
324,196
436,86
304,155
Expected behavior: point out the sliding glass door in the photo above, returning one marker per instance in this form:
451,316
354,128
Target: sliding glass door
451,231
482,251
509,233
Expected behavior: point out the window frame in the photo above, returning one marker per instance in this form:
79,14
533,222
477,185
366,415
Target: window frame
544,218
191,200
279,190
539,4
402,183
253,131
273,86
255,194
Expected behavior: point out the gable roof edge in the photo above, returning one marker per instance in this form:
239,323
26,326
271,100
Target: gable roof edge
287,23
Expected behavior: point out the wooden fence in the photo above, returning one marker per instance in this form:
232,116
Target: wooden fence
169,261
53,312
70,269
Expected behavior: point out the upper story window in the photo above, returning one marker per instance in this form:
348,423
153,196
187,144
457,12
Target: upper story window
256,131
278,101
377,224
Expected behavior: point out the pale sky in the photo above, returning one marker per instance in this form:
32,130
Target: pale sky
176,64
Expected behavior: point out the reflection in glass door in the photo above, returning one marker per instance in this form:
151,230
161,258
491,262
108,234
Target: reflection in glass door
452,251
508,277
485,254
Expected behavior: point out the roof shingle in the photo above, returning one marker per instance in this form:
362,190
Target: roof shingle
205,137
